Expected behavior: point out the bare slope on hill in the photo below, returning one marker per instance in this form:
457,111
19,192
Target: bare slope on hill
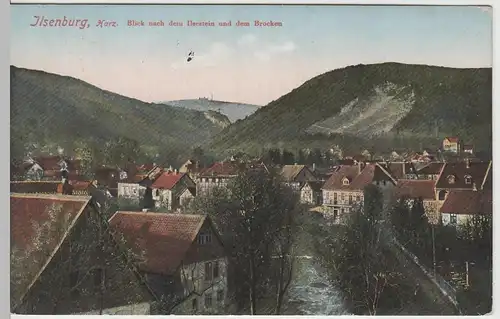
367,100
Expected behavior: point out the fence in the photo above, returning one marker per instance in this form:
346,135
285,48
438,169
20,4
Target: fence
446,289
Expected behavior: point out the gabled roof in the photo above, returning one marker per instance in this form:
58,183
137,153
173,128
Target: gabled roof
290,172
167,180
415,189
357,181
39,226
468,202
452,139
163,239
477,171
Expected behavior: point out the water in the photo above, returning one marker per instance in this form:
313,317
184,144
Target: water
312,294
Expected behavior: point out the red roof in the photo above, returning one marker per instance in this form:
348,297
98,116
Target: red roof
162,239
452,139
415,189
167,180
468,202
476,170
357,181
31,217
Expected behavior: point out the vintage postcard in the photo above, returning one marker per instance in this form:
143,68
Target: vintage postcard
251,159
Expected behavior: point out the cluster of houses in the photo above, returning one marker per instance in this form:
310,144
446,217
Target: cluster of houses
178,256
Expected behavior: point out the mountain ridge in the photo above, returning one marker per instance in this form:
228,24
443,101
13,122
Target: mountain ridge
48,108
459,100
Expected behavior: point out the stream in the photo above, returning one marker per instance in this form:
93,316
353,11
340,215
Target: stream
312,294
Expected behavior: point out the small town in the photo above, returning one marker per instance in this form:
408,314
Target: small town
274,160
148,238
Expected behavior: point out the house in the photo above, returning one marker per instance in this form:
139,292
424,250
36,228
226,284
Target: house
311,193
451,144
133,188
343,191
182,259
420,189
217,176
59,264
167,189
461,205
34,172
468,149
296,175
191,167
465,175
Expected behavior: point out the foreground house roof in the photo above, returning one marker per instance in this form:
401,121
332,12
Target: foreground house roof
39,226
415,189
161,239
468,202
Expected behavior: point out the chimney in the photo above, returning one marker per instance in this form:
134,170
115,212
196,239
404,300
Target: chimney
144,210
474,188
467,163
359,167
314,167
175,171
404,168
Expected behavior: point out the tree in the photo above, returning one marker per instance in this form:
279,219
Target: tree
288,158
358,262
255,216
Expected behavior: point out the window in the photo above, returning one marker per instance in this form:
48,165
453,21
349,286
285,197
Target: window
350,199
345,181
335,214
208,300
208,271
157,192
451,179
220,295
204,238
335,198
194,304
343,197
216,269
468,179
358,198
453,219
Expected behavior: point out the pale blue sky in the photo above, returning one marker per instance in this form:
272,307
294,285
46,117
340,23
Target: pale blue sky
254,65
